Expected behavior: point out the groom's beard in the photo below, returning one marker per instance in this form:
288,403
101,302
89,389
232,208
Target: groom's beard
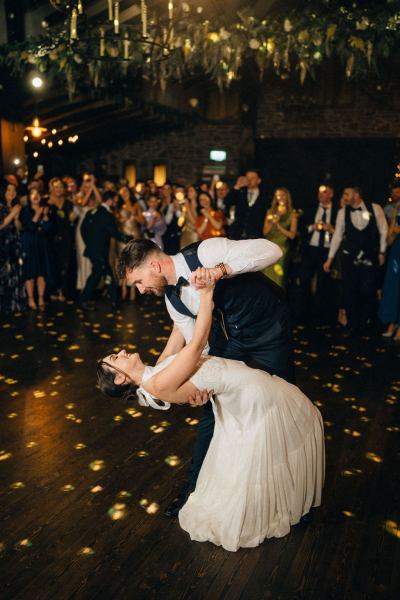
158,286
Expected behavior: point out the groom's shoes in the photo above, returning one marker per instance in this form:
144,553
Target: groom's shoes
307,518
177,503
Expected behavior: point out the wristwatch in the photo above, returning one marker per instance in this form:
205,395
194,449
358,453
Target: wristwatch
223,269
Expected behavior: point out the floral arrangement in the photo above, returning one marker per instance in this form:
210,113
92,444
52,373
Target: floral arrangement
292,44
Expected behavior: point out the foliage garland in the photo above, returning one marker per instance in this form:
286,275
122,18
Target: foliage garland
298,42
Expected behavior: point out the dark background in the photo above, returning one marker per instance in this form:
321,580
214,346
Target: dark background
302,165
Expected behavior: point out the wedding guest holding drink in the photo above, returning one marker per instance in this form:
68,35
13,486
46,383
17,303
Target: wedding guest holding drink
280,226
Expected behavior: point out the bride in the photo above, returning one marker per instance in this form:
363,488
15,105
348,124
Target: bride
264,468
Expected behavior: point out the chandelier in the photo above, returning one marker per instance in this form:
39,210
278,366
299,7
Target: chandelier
112,39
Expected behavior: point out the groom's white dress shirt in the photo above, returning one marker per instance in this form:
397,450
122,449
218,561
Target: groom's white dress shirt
242,256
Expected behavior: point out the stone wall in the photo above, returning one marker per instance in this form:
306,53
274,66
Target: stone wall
184,152
345,110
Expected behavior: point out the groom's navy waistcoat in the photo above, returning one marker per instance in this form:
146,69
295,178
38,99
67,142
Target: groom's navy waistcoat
246,305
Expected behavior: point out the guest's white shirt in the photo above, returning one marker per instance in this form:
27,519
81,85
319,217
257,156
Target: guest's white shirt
360,220
252,196
242,256
169,215
314,240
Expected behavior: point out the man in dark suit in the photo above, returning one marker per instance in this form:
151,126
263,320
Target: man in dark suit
318,229
250,205
97,229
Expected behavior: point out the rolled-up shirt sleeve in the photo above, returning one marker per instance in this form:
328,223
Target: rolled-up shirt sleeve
382,226
338,234
243,256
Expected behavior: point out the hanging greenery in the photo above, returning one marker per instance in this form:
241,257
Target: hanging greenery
295,44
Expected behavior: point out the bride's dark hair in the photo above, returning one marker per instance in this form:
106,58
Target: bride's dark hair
105,379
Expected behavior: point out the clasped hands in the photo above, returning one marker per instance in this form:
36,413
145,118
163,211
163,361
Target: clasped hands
205,279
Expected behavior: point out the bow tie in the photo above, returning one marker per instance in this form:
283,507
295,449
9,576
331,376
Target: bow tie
354,209
182,282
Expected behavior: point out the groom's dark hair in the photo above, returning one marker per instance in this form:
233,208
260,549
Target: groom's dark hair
134,254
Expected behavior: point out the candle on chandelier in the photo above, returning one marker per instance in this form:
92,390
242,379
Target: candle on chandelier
170,9
143,10
126,46
74,24
102,43
110,10
80,7
116,17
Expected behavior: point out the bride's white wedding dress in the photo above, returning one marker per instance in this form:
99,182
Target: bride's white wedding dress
265,465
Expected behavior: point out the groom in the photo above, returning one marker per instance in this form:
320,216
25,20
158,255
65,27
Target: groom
250,322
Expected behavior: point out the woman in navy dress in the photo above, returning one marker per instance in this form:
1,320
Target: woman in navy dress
12,292
389,309
36,229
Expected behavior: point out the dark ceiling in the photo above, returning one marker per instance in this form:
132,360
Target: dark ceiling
140,110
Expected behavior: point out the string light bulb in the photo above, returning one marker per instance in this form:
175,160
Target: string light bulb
37,82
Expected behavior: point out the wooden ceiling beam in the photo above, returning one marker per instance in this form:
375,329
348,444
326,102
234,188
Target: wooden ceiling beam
77,111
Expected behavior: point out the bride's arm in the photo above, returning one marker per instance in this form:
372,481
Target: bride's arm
166,383
175,343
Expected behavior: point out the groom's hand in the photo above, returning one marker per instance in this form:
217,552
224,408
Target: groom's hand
200,397
201,275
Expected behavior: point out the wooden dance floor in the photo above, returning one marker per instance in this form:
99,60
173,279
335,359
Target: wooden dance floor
85,479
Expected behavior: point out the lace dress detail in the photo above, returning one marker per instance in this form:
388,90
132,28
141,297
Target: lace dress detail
209,374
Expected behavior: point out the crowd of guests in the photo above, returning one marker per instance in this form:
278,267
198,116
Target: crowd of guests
340,259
